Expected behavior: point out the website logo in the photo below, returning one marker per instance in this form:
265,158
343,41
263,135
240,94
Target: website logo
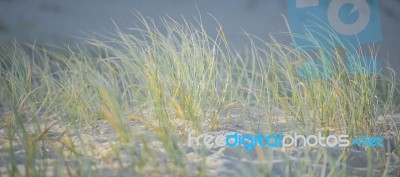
278,140
352,22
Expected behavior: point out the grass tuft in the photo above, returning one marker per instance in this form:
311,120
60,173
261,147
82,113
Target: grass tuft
155,87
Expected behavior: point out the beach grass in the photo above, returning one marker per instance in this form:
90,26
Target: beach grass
173,78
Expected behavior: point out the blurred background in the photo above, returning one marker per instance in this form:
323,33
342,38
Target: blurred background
60,21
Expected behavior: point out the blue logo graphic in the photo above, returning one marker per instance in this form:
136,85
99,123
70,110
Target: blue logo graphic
335,23
352,21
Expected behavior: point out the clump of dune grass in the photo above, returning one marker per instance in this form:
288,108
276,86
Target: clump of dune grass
173,78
